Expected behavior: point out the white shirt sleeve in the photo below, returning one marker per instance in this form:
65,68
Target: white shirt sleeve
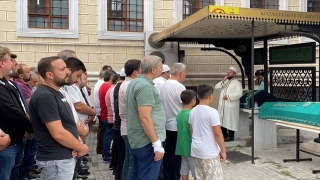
179,91
214,117
73,94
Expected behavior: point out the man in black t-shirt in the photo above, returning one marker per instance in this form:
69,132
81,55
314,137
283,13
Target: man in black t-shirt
58,141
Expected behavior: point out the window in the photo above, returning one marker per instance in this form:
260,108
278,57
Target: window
124,19
313,6
125,15
192,6
184,8
47,18
264,4
48,14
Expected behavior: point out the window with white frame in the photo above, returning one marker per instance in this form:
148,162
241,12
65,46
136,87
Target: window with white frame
48,14
124,19
126,16
47,18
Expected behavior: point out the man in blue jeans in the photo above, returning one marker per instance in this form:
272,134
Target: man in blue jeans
132,69
14,120
146,121
108,133
58,141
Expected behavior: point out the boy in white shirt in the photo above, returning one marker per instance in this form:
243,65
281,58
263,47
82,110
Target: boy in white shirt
207,140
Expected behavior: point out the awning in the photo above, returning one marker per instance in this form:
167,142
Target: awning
234,28
216,22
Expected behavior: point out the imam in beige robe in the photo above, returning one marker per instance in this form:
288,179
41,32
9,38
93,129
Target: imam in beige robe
229,109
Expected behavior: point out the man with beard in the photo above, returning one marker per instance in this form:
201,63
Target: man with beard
85,112
51,116
76,72
229,103
14,121
22,78
26,168
14,73
77,69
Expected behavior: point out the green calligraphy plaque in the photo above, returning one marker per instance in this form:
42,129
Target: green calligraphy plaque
258,56
293,54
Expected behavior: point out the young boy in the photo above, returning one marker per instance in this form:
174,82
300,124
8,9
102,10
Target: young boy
207,140
183,148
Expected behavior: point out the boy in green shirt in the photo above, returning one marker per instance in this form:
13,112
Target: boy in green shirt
183,148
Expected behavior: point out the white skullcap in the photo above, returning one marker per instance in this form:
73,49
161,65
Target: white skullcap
165,68
122,73
233,69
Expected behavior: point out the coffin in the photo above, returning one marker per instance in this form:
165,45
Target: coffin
307,113
260,96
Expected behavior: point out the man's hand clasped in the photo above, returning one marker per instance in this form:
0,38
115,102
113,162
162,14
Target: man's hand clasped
158,150
28,136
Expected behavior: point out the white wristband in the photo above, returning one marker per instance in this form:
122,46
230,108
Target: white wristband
157,146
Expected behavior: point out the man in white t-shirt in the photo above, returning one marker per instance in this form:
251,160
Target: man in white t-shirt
76,97
207,139
170,95
163,78
84,111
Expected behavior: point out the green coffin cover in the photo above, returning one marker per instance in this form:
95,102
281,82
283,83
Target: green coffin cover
245,100
260,96
297,112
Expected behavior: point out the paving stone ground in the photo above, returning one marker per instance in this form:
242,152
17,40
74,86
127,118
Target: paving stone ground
268,165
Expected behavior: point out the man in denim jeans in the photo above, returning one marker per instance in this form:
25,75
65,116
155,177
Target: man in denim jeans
132,69
14,120
146,121
51,116
108,133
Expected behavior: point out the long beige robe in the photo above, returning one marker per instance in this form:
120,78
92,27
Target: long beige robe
229,109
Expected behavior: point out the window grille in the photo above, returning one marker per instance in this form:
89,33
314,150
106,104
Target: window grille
48,14
313,6
264,4
192,6
126,15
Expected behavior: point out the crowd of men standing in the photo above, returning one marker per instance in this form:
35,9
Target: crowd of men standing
136,109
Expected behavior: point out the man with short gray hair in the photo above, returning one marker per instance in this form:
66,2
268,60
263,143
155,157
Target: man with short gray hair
170,92
67,53
145,120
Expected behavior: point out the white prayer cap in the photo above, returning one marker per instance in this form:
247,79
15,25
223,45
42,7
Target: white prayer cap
233,69
122,73
165,68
